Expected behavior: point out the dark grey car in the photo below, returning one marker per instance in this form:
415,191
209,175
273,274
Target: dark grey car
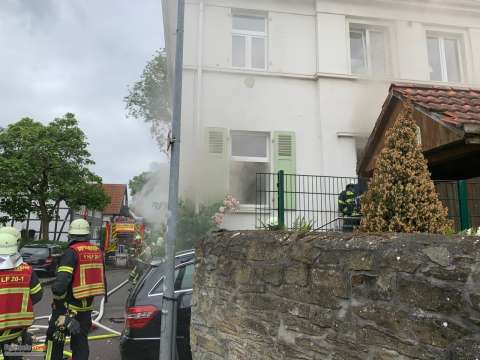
140,338
43,258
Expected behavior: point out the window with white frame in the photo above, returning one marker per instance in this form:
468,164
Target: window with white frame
444,57
249,41
368,50
250,155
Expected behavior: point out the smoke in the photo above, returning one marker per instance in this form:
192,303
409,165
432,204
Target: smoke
151,202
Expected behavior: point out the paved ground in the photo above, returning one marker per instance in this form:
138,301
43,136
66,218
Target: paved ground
113,318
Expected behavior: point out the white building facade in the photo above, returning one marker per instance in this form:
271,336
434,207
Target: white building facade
297,85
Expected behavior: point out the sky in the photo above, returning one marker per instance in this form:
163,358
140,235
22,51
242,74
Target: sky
59,56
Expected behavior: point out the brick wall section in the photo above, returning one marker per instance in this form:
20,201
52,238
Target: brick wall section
269,295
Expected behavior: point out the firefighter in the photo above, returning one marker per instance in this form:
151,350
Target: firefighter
142,262
20,289
349,207
80,277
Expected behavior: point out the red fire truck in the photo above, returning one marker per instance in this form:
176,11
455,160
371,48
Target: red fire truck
123,241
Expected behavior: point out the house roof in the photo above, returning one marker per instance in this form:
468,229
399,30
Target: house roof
453,105
117,194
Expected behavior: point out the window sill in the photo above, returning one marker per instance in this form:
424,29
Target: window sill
245,209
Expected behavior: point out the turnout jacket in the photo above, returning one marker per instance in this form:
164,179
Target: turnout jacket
80,277
20,289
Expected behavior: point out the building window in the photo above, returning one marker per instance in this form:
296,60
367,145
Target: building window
249,41
368,50
250,155
444,58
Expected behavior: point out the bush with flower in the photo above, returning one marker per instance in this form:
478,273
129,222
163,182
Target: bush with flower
230,204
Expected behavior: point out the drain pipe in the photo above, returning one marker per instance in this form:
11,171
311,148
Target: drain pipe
198,94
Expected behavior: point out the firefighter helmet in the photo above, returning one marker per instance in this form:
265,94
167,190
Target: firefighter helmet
79,227
8,244
10,230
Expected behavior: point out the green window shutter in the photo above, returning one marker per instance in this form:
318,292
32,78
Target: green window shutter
284,158
214,173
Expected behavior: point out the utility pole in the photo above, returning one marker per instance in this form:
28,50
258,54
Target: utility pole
167,336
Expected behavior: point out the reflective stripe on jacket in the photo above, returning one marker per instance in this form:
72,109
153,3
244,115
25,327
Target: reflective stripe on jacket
16,310
88,277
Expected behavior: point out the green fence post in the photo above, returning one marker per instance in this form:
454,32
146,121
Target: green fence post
463,205
281,199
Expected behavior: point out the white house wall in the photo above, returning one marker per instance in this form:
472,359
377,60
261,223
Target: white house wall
332,44
288,31
308,87
475,46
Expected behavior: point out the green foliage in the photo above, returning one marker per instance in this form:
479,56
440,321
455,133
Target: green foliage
272,226
148,99
401,196
138,182
191,226
43,165
151,239
302,226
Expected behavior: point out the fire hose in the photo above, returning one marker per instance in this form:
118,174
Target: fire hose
40,346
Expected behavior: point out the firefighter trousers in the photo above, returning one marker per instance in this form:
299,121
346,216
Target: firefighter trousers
78,343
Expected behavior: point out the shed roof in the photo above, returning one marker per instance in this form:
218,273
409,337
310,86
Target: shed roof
454,105
117,193
449,118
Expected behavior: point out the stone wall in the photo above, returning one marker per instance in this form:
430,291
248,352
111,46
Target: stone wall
266,295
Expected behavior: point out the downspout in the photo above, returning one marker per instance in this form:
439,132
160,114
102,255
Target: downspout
318,79
198,95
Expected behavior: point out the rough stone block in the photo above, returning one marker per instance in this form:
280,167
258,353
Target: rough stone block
400,260
329,283
272,274
375,287
439,255
421,294
296,274
465,349
358,260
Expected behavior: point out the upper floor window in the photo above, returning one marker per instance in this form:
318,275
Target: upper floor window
249,39
444,58
368,50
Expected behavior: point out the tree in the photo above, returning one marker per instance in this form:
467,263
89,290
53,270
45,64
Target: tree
148,99
401,195
137,183
43,165
192,226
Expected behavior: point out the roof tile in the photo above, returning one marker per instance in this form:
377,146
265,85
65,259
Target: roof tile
116,193
454,105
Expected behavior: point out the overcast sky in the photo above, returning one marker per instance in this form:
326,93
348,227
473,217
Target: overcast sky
59,56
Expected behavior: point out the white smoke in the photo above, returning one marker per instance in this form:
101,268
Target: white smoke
151,202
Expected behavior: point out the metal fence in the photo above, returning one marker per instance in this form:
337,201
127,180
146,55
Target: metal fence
295,201
299,201
462,198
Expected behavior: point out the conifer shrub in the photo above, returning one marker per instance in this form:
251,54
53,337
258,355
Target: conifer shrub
401,196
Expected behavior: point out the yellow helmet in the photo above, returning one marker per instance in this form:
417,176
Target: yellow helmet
8,244
10,230
79,227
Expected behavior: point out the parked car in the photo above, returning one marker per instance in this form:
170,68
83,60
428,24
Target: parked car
43,258
141,336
